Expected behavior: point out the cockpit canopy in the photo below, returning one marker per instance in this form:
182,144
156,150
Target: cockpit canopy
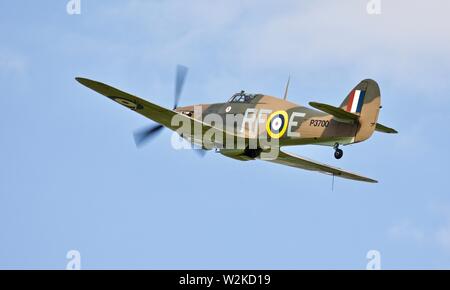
242,97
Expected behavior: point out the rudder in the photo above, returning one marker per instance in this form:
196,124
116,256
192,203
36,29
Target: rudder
364,100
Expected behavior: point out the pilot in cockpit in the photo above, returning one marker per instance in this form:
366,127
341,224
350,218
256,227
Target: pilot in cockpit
241,97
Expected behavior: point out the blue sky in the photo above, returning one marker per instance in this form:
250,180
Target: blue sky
72,178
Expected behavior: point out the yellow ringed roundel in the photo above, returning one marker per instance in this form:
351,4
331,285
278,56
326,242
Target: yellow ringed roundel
277,124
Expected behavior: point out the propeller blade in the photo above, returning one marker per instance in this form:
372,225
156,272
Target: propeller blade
143,136
200,152
179,83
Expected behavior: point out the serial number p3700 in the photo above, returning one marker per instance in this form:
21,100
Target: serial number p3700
319,123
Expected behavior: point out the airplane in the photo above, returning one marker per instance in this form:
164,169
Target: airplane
285,122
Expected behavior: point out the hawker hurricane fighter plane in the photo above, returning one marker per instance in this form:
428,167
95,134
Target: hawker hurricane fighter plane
281,123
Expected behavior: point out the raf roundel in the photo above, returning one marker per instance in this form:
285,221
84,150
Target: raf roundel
277,124
127,103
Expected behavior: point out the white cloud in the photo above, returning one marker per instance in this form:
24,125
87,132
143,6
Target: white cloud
407,44
12,63
443,237
438,235
243,44
405,230
442,233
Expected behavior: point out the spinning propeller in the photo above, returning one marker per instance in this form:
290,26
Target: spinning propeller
145,135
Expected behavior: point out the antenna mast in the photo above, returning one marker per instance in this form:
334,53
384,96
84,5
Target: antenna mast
287,88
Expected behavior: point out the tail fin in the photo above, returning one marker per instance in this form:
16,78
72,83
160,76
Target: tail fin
364,100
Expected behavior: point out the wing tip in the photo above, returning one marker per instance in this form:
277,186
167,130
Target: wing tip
367,179
361,178
84,81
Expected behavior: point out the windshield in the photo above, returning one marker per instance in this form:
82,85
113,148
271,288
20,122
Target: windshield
242,97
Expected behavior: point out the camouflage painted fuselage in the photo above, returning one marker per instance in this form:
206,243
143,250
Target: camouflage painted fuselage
303,125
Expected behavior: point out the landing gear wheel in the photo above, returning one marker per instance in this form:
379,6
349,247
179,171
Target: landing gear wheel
338,153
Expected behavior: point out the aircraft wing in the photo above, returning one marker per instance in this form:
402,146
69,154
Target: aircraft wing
152,111
308,164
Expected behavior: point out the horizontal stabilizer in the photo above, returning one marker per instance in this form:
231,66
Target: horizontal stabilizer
384,129
339,113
